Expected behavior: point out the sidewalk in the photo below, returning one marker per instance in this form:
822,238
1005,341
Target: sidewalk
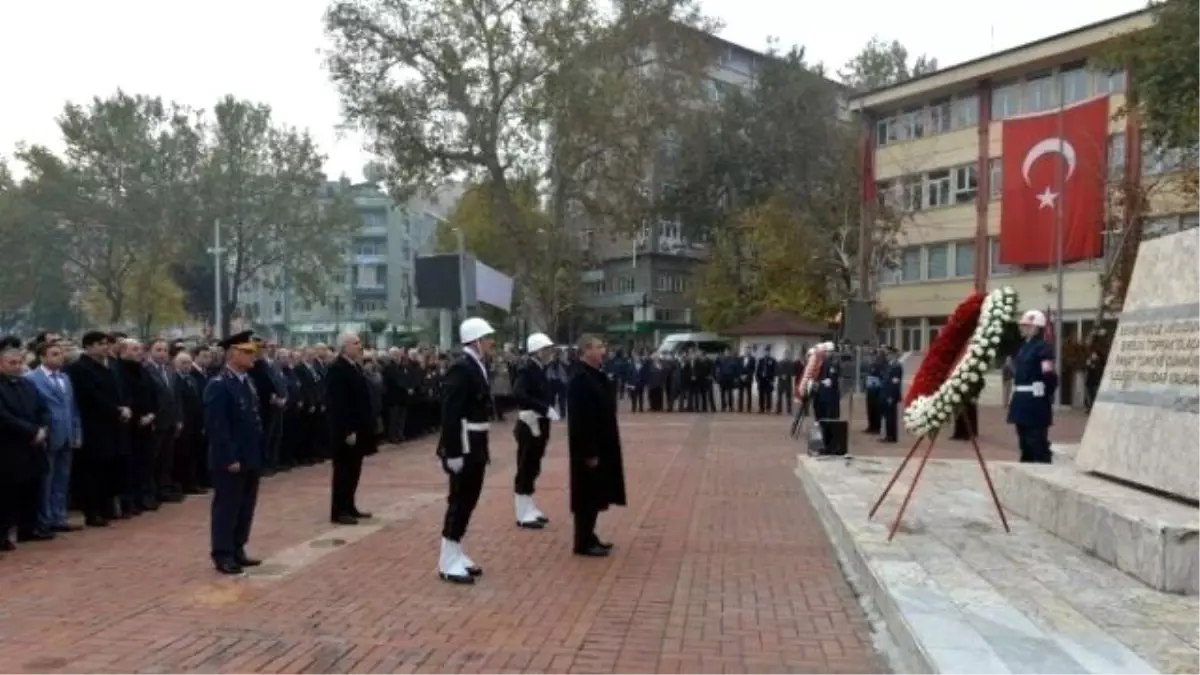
720,566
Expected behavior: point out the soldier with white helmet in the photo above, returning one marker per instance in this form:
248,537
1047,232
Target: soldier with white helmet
467,408
1034,383
535,405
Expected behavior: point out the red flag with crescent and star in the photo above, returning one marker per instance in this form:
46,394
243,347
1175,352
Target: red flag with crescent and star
1054,160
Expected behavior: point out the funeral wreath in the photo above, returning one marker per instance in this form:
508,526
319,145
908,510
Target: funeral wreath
952,373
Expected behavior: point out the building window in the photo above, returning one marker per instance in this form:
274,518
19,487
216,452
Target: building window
966,112
966,184
911,193
885,131
670,283
369,248
668,315
587,237
669,230
624,284
938,188
940,117
278,307
381,275
1076,83
885,194
939,261
1108,82
910,335
339,278
995,177
964,258
887,276
1039,94
1116,157
912,124
995,267
594,288
1006,101
910,263
1158,160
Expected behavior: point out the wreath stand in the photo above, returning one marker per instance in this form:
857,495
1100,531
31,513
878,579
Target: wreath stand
932,439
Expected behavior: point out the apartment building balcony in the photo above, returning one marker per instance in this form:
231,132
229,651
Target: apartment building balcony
370,291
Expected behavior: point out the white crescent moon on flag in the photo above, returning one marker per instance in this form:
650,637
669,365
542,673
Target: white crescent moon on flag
1047,146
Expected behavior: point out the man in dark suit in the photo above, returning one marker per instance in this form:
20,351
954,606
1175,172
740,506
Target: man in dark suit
890,393
535,411
235,454
104,415
353,428
467,409
142,494
24,431
312,409
748,366
168,421
594,444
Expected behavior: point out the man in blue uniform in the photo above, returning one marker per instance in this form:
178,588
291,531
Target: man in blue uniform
535,411
889,394
235,453
1034,384
876,370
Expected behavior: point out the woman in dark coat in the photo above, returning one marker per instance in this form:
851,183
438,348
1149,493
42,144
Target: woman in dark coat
594,446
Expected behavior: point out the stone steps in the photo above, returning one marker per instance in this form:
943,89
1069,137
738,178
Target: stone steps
958,594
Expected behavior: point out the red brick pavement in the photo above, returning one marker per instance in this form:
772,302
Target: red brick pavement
720,566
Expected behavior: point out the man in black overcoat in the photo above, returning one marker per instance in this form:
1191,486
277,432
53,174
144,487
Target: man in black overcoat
104,414
594,442
353,429
24,429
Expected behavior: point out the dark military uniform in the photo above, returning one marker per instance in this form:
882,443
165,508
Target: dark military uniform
466,411
235,437
1031,411
531,392
765,376
889,398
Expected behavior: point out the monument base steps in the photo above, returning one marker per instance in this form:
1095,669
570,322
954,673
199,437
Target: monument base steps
959,595
1150,537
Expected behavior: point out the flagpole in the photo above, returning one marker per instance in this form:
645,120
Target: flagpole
1059,236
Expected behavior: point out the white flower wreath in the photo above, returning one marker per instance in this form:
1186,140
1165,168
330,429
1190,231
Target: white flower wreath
927,414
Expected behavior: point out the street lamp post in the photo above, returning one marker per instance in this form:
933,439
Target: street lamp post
218,304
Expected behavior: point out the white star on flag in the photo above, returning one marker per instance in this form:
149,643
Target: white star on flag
1047,198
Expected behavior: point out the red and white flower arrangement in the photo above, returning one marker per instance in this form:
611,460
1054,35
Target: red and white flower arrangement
952,373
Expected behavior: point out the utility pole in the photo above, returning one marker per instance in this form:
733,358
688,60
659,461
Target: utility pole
462,274
218,303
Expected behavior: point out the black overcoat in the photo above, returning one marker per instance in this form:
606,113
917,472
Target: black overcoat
592,433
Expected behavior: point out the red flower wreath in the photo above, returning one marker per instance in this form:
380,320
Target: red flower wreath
947,348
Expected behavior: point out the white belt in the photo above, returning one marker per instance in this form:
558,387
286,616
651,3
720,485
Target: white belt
468,427
1038,389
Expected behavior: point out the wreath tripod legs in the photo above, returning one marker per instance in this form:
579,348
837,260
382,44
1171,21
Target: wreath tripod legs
987,477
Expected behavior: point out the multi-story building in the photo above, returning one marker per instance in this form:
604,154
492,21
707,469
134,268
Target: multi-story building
642,285
937,144
376,286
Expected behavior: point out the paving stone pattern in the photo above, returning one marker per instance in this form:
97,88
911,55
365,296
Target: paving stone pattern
720,566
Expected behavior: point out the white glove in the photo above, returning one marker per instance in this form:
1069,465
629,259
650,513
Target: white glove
827,382
454,464
552,414
1039,389
529,419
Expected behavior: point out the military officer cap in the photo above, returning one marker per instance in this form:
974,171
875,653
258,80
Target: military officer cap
244,341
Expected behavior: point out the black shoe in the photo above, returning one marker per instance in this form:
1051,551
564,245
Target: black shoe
593,551
607,546
95,521
456,579
150,505
66,528
228,567
191,492
344,519
35,535
475,571
171,498
6,544
247,561
361,515
531,524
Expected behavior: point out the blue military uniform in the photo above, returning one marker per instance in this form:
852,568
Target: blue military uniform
1031,409
876,370
235,436
889,398
827,404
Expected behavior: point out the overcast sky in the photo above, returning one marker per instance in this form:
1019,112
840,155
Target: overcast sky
52,51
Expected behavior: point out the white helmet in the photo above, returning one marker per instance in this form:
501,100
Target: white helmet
537,342
826,346
472,329
1033,318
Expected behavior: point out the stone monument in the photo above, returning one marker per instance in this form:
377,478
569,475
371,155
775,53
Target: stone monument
1146,420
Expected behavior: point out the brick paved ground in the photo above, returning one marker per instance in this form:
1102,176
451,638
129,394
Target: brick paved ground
720,566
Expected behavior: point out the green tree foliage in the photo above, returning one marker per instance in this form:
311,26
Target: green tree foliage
552,257
881,64
775,156
492,91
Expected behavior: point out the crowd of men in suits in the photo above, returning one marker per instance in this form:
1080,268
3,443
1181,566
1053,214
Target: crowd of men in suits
693,381
115,427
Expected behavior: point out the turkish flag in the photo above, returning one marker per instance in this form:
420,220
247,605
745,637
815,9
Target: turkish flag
1057,160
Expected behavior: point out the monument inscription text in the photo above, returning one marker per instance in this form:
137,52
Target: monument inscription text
1163,353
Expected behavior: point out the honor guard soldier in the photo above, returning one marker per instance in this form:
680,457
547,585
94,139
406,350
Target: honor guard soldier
535,406
1034,384
890,392
467,408
235,453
